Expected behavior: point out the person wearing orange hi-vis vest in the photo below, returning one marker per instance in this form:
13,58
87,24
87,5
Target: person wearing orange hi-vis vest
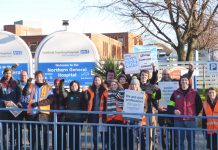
38,109
210,109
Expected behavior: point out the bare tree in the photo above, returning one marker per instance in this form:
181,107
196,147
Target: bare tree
177,22
209,39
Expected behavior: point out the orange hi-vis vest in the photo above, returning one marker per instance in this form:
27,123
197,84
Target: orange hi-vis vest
44,94
90,103
212,124
143,123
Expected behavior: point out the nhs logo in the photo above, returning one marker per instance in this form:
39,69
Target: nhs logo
86,51
17,52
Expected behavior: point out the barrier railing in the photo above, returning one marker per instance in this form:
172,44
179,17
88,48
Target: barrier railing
131,135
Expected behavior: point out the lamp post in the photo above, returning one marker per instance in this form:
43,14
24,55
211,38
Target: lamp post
65,23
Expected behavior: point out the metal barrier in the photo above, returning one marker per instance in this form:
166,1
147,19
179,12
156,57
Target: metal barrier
22,134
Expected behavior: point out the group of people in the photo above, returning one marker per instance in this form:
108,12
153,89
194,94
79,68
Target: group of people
102,96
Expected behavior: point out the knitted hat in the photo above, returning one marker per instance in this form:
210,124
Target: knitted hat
57,80
135,80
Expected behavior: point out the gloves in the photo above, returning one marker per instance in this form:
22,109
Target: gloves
34,104
61,83
19,105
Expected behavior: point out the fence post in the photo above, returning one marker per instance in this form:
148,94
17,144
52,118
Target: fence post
147,132
204,76
55,131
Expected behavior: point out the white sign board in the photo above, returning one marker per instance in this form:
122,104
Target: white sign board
167,89
134,102
131,63
145,48
212,67
137,61
145,60
67,55
14,50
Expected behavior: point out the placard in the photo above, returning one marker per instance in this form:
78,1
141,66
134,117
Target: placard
131,63
134,102
167,89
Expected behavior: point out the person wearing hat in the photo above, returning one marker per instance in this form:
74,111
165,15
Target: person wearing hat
135,85
57,103
185,101
10,94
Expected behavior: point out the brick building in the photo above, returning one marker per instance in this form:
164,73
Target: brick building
128,39
108,44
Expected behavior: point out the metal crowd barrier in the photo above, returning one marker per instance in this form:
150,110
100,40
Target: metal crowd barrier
73,135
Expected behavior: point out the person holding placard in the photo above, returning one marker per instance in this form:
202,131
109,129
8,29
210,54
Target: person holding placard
10,94
129,106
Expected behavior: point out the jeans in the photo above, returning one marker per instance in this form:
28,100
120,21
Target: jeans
182,134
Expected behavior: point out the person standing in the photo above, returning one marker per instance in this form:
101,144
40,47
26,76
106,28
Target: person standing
110,75
96,101
185,101
113,105
38,108
24,100
167,135
58,103
74,100
210,109
10,94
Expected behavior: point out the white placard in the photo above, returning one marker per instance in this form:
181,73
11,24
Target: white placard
131,63
145,60
167,89
15,113
134,102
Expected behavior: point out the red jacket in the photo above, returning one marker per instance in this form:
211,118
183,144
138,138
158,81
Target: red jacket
185,103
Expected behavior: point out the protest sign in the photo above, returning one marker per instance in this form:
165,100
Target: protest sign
131,63
134,102
15,113
167,89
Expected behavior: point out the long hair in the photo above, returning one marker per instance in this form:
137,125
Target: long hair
120,87
101,89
